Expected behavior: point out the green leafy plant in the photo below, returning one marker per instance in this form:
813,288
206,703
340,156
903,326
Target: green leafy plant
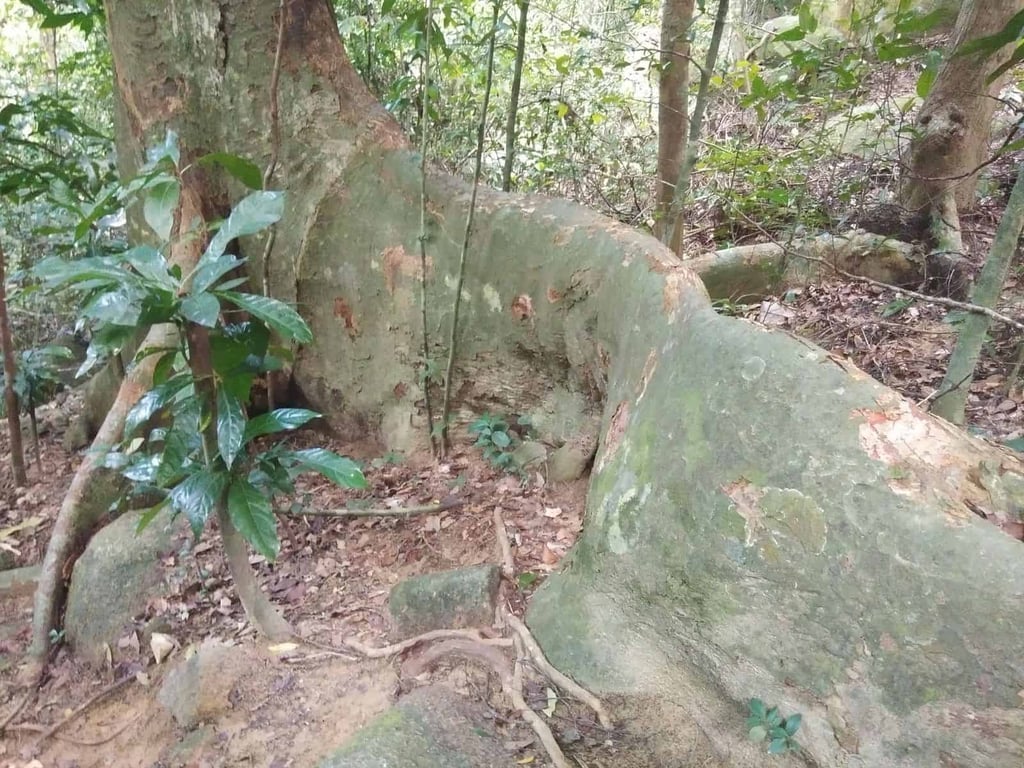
37,379
189,439
498,441
768,724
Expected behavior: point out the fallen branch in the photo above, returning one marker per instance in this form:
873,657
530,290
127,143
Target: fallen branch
508,567
564,682
451,502
941,301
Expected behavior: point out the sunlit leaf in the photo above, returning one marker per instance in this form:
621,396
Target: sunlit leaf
159,207
230,426
201,309
197,496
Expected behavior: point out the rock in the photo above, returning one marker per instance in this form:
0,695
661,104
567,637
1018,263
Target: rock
530,454
115,578
199,687
6,560
19,582
570,461
464,597
432,727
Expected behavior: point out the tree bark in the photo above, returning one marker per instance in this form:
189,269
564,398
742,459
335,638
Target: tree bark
10,372
673,103
954,124
763,520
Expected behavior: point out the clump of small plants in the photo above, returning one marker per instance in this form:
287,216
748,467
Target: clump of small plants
498,440
768,724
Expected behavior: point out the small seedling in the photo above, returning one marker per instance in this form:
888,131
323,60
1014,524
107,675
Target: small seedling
769,725
496,439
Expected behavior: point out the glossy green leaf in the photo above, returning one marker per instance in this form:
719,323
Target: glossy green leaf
501,439
278,315
201,309
251,513
244,170
164,367
152,401
252,214
151,265
178,447
337,469
777,747
280,420
211,270
197,496
230,426
159,208
757,733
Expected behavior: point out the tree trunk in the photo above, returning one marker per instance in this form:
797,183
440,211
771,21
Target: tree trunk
954,124
762,519
673,103
513,105
10,373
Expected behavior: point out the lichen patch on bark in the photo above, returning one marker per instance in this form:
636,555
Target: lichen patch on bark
396,261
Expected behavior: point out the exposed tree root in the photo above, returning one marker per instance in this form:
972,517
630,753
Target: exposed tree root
99,695
760,269
388,651
564,682
450,502
32,728
511,684
29,695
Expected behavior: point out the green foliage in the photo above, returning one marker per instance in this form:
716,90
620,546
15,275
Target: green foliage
496,438
768,725
38,374
189,438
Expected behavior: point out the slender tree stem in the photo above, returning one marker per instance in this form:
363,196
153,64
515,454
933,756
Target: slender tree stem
951,404
10,372
424,125
268,173
513,106
480,130
696,123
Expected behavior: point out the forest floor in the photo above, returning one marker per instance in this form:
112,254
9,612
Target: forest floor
334,574
332,581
